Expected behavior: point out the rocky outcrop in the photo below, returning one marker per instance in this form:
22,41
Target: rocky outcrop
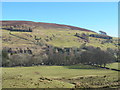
100,36
19,51
17,28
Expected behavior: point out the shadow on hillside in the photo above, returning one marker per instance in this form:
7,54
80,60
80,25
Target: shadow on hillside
89,67
81,67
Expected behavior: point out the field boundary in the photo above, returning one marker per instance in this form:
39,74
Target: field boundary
109,68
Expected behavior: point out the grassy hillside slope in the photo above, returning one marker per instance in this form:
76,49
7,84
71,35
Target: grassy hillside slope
55,37
48,33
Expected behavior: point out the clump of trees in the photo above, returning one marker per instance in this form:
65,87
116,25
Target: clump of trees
21,59
103,33
5,58
90,55
96,56
61,57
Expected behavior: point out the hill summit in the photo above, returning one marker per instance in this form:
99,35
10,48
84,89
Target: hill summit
35,35
41,24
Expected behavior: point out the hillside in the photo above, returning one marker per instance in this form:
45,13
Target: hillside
46,55
16,34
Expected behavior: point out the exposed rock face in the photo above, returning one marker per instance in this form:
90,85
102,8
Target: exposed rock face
101,36
19,51
83,36
18,28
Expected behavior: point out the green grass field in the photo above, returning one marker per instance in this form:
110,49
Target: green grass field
114,66
79,76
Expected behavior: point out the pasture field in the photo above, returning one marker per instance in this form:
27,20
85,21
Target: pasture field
114,66
75,76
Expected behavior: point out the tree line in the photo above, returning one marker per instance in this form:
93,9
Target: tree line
61,56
